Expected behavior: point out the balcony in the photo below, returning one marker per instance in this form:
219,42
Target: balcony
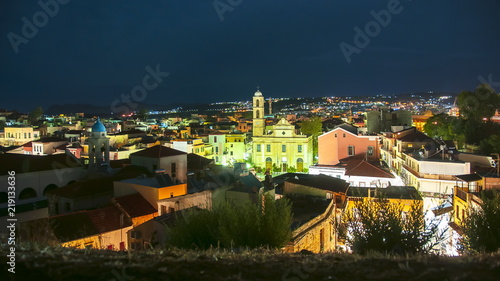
460,193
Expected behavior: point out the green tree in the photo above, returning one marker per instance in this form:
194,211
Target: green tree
440,125
34,115
490,145
479,104
482,226
312,127
143,114
378,225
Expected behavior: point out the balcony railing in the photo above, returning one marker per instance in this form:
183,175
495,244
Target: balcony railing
460,193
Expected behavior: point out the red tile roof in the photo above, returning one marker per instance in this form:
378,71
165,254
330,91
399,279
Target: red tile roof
135,205
158,151
362,168
82,224
108,219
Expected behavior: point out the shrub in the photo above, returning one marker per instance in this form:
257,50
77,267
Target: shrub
230,226
481,228
378,225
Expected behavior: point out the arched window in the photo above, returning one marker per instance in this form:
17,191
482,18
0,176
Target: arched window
256,103
27,193
49,187
257,114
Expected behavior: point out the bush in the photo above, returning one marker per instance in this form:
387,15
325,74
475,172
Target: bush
381,226
481,228
229,226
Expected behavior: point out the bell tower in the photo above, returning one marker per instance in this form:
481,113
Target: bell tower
258,114
98,146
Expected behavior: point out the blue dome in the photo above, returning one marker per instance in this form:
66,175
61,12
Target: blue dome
98,126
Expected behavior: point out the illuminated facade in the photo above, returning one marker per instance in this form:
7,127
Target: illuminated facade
280,148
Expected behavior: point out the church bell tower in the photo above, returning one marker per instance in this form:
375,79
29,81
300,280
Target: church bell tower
259,123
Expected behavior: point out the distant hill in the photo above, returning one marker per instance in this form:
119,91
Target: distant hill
90,109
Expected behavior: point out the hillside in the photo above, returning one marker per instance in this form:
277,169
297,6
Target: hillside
68,264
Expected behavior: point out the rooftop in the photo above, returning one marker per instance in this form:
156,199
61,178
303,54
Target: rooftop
391,192
356,167
158,151
81,224
322,182
135,205
305,208
22,163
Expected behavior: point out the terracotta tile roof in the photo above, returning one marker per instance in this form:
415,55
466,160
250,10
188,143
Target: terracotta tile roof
108,219
158,151
135,205
22,163
322,182
28,144
415,136
82,224
362,168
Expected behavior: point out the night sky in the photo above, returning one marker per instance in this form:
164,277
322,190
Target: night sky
95,51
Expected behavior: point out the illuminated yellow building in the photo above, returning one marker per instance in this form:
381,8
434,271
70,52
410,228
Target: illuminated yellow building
420,120
279,146
406,196
467,195
20,135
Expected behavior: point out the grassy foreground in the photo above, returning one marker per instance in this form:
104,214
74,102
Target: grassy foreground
44,263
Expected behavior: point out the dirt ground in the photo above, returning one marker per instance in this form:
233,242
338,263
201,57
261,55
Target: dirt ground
68,264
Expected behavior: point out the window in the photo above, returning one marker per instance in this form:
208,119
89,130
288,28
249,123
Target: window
258,148
350,150
88,245
344,135
268,148
299,148
231,153
215,138
335,135
135,234
370,150
173,169
283,148
216,149
163,209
